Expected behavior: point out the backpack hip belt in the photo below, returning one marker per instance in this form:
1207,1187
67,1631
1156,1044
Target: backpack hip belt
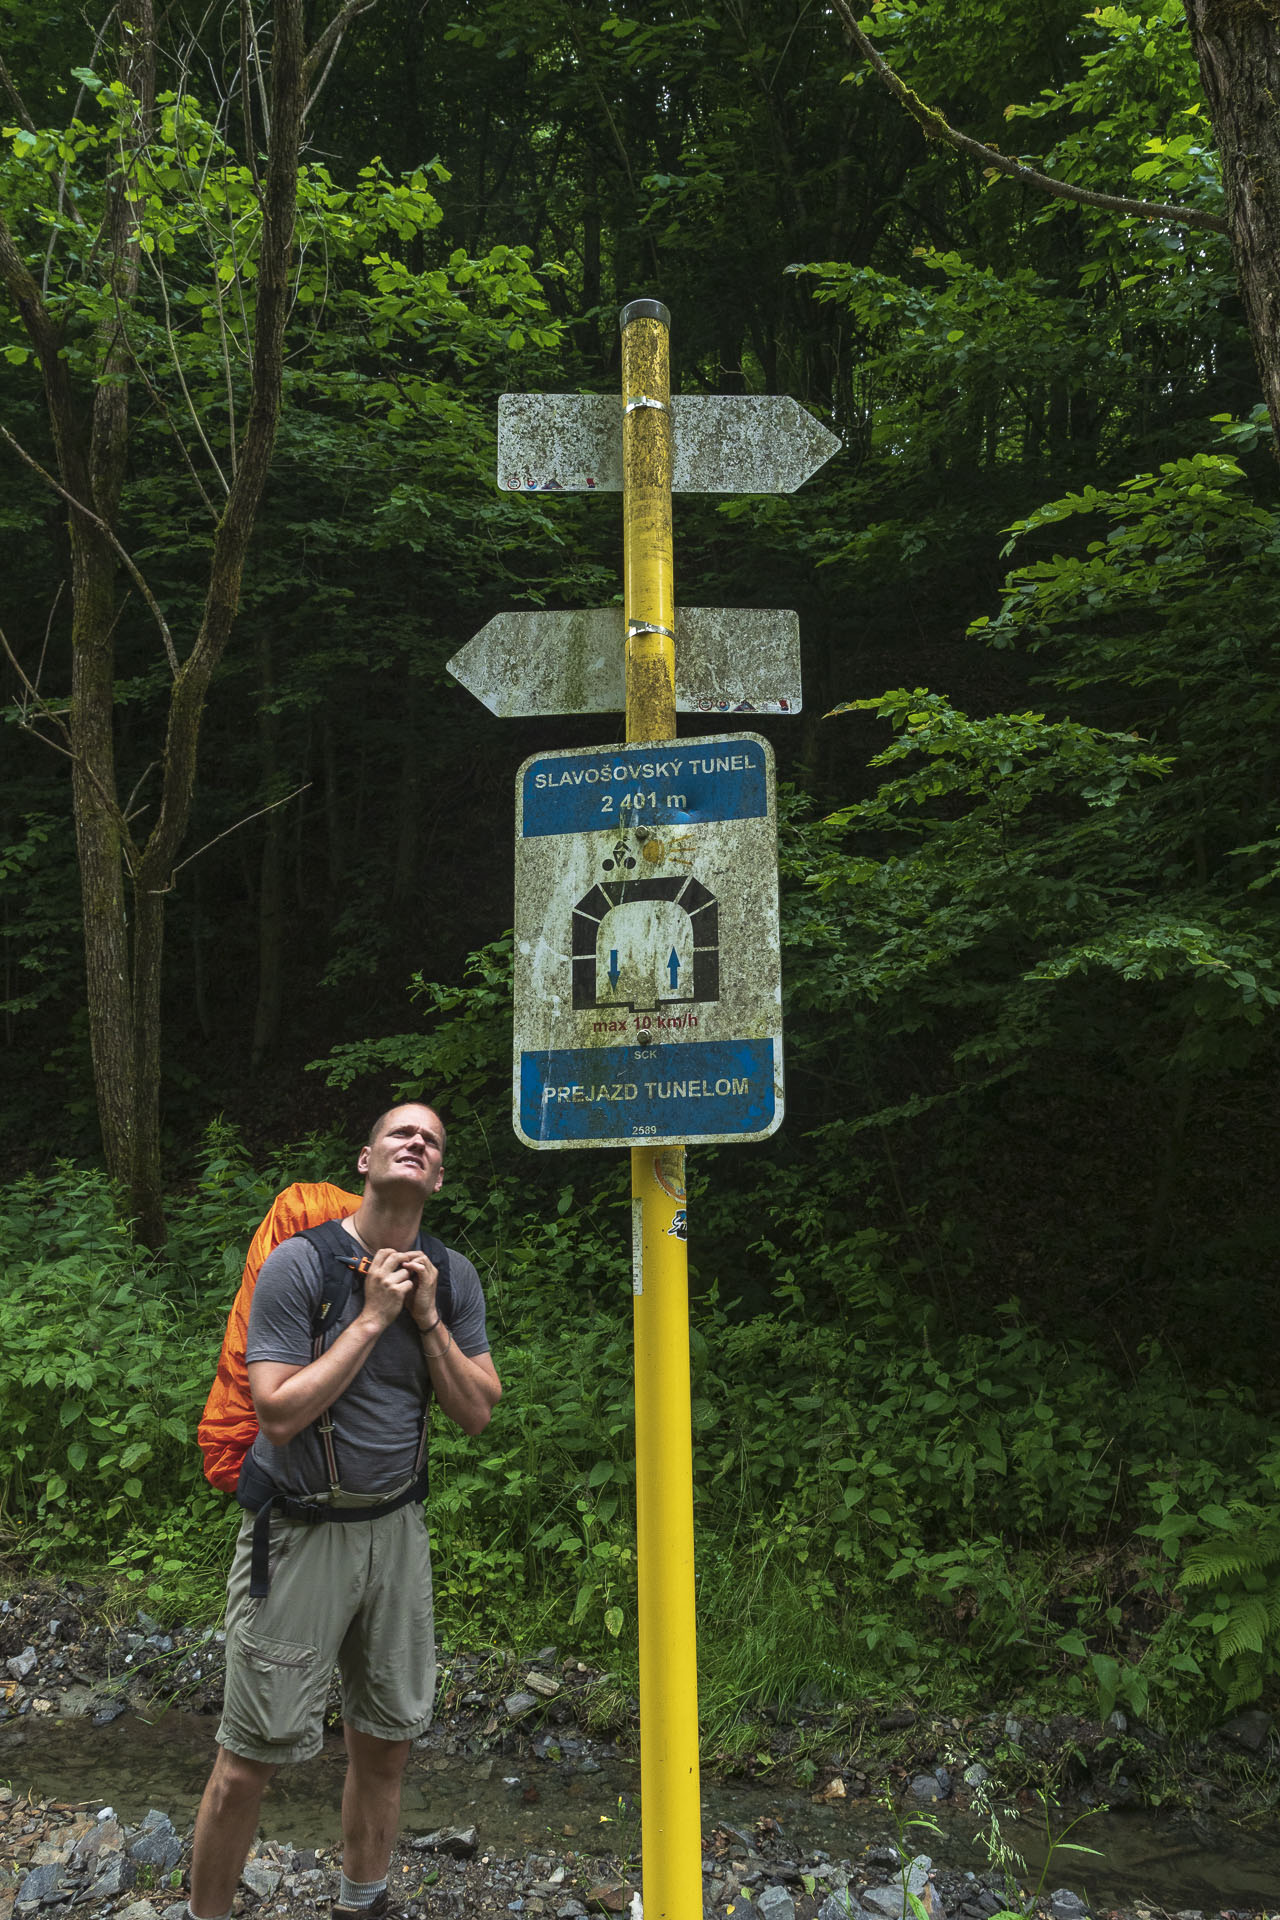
258,1493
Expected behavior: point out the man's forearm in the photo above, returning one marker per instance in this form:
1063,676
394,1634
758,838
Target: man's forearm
287,1400
467,1390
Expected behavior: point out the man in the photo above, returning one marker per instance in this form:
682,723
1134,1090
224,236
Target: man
357,1593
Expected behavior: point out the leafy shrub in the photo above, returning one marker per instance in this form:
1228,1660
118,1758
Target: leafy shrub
101,1375
878,1505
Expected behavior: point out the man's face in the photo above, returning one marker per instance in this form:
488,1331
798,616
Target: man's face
408,1151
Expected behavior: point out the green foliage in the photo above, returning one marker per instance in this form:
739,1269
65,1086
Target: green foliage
1008,1863
958,345
1011,871
1089,897
1175,607
39,915
102,1379
1030,954
1238,1567
1137,93
877,1507
462,1052
199,218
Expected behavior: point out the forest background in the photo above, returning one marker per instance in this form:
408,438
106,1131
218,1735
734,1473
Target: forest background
984,1357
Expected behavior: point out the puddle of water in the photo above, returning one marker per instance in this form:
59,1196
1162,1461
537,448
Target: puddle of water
136,1764
1137,1856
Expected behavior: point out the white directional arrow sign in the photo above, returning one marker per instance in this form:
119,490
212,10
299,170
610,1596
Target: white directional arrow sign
728,660
722,443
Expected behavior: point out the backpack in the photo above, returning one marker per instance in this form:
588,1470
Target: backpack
229,1425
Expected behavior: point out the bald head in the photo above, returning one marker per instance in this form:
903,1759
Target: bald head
384,1119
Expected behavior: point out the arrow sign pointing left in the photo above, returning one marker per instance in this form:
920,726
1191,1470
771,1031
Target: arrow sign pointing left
728,660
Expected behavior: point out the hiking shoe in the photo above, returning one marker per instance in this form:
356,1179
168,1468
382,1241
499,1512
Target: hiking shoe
379,1908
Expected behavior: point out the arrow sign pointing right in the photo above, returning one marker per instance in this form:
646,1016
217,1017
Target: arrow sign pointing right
722,443
728,660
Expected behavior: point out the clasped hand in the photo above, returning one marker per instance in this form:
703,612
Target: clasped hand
396,1280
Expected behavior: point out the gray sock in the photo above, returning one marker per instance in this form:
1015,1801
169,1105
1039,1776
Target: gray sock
359,1893
193,1915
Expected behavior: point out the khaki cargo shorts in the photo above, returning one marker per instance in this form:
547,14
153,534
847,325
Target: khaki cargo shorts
355,1594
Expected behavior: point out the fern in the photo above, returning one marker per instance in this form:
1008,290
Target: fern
1241,1571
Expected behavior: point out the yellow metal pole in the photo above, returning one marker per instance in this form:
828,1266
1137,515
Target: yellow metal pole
669,1783
646,522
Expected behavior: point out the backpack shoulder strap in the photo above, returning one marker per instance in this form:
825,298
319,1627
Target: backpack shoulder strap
345,1264
342,1262
438,1254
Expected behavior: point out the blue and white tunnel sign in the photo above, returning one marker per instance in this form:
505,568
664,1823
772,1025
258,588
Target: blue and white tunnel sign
648,999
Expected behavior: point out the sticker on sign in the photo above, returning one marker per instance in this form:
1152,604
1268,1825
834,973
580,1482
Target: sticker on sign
648,992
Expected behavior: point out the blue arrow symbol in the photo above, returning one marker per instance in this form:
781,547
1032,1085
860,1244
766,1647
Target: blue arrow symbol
673,968
613,967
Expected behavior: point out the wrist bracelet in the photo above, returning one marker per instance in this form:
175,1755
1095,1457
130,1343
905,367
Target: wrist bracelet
444,1349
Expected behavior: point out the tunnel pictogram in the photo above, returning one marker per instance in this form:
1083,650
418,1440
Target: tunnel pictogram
681,891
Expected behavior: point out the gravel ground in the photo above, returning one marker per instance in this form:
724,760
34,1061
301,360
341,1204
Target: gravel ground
60,1656
60,1858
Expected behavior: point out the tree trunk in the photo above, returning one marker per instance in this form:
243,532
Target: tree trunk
100,846
271,919
124,938
102,834
1237,46
154,871
146,1182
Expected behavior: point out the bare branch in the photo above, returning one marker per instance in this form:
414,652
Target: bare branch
54,746
94,519
264,105
246,95
154,262
326,47
137,788
48,629
937,128
237,281
19,104
601,96
786,45
318,89
199,194
44,708
235,526
234,828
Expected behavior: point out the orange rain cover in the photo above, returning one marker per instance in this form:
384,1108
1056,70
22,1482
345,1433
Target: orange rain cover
229,1424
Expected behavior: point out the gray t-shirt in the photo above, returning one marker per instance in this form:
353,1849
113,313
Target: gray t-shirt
378,1420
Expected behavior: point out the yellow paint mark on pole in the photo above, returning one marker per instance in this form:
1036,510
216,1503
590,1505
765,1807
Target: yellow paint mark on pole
669,1781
